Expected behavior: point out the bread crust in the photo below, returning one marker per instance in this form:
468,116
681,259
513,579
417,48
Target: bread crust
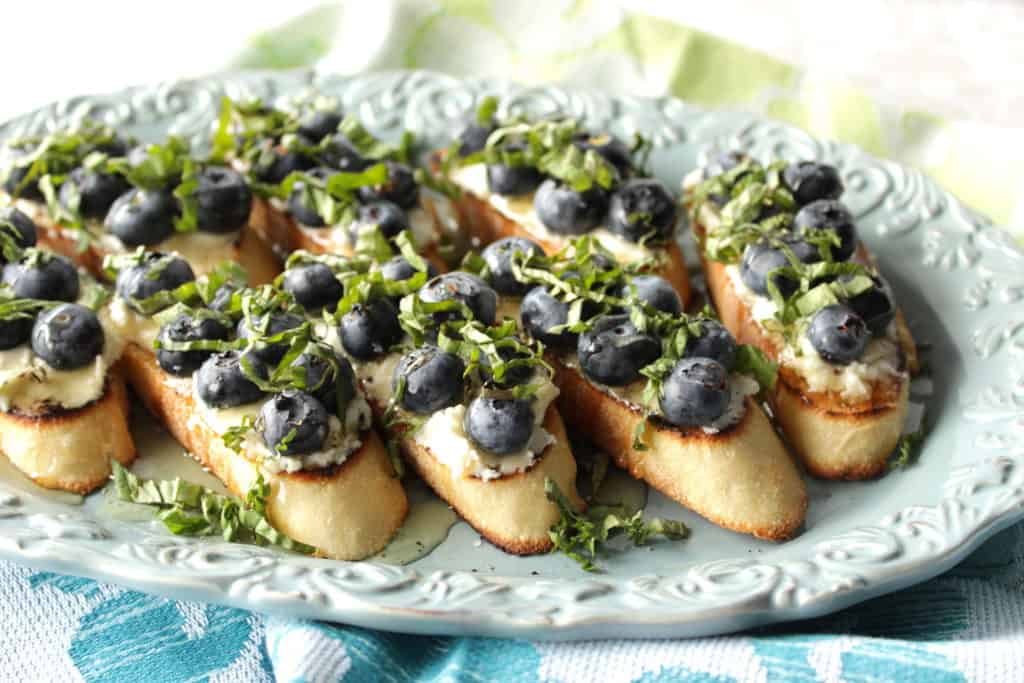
71,449
487,224
741,478
348,512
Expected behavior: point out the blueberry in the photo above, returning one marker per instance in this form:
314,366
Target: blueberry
319,123
567,212
724,161
642,207
655,291
400,187
433,379
19,226
389,218
221,300
397,269
875,306
811,180
15,332
68,336
614,151
114,146
307,215
473,138
327,378
513,376
499,425
465,287
188,328
369,329
313,285
829,213
540,312
613,351
513,180
761,258
156,273
142,217
41,275
223,200
498,257
294,423
695,393
97,191
714,342
264,327
221,383
340,154
275,165
838,334
16,185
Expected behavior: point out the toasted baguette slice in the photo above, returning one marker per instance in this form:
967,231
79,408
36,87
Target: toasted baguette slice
741,478
71,449
348,512
279,229
486,224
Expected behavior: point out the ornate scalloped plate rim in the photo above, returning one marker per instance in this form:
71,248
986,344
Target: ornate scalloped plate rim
406,599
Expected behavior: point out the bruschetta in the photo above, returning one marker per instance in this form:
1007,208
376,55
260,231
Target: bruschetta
239,378
552,180
788,274
63,407
468,403
671,397
92,194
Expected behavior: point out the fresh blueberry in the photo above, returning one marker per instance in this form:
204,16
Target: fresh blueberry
156,273
319,123
264,327
615,151
568,212
400,187
838,334
15,331
467,288
369,329
499,425
114,146
810,181
397,269
142,217
433,379
68,336
875,306
294,423
655,291
340,154
514,375
540,312
188,328
498,257
714,342
96,191
829,213
725,161
389,218
513,180
313,285
761,258
297,208
221,382
274,165
695,393
613,351
16,185
642,207
41,275
19,226
473,138
223,200
327,378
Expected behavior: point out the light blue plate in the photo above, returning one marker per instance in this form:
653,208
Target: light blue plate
959,279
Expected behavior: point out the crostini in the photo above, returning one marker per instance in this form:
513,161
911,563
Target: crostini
552,180
240,379
321,180
671,397
92,194
63,407
468,403
788,274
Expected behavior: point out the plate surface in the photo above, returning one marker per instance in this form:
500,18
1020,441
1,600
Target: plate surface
959,278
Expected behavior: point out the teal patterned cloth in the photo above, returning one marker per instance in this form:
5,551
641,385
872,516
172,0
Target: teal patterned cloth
967,625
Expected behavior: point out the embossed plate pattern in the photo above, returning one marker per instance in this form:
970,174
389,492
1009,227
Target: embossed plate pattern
961,281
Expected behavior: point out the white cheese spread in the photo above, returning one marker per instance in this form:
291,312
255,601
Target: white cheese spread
133,326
